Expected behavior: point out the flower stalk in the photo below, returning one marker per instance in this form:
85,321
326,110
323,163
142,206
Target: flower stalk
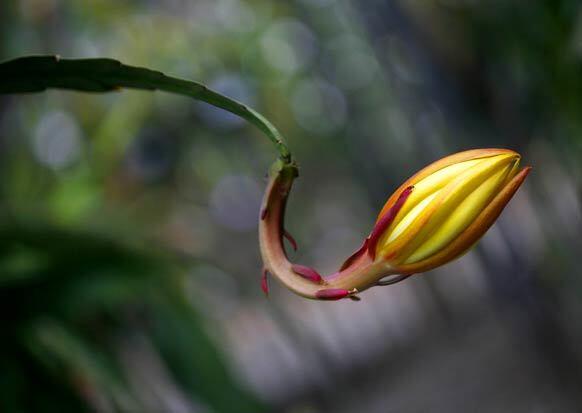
361,273
433,218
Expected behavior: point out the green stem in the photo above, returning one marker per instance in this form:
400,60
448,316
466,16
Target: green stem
38,73
184,87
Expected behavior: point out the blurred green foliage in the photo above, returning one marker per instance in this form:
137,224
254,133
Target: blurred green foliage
75,305
97,317
102,197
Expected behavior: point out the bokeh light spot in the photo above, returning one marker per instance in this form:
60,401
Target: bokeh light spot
235,201
318,106
57,140
288,46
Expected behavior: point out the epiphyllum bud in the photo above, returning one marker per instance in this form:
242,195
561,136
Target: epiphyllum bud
454,202
434,217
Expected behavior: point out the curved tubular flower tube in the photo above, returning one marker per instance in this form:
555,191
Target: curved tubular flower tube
433,218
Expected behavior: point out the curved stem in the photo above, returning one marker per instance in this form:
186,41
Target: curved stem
37,73
192,89
362,273
361,270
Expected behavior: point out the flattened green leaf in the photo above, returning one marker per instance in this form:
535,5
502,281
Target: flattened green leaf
38,73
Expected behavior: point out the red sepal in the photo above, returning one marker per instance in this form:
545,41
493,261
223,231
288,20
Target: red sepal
384,222
332,294
307,273
265,282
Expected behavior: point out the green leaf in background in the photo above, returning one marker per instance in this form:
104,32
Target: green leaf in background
93,321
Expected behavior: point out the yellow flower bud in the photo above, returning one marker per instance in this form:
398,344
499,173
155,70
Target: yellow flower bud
454,202
434,217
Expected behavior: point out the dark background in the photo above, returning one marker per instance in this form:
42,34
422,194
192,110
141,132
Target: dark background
129,263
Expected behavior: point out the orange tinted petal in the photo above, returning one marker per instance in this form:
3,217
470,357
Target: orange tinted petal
441,163
440,207
473,232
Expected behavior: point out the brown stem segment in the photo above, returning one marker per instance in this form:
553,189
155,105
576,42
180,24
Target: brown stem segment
362,273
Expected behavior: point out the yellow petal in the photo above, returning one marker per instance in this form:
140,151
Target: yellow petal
407,220
461,217
415,229
424,189
440,164
464,241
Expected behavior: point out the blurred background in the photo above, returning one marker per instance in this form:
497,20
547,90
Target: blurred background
129,262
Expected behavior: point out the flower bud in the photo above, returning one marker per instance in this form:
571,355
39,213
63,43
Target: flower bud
434,217
454,202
